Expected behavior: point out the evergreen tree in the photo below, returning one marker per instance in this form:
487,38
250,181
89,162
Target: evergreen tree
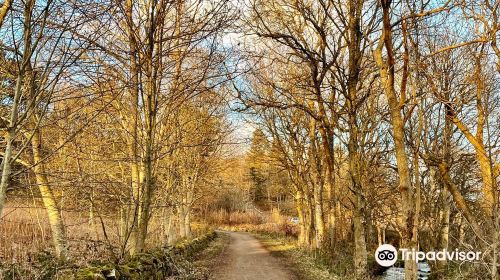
258,165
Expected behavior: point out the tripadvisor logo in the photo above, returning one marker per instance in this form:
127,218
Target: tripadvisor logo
386,255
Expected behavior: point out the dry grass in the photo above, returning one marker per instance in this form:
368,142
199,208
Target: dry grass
258,222
284,229
22,233
25,233
223,217
26,242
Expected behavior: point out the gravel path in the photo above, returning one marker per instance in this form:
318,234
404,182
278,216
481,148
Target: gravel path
246,259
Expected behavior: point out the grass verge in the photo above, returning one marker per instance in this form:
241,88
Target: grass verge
296,259
209,258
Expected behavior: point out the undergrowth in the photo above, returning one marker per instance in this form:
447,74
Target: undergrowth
172,262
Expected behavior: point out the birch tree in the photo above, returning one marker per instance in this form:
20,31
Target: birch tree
43,50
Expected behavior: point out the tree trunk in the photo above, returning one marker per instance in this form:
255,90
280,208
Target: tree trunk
189,202
318,217
171,228
132,129
444,229
187,223
360,255
145,202
386,70
7,4
6,166
354,65
300,213
49,201
14,114
309,222
135,201
409,237
317,183
459,200
180,219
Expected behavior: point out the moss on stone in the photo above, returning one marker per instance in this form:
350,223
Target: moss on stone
156,264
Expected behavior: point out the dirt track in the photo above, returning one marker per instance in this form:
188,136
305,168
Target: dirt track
246,259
